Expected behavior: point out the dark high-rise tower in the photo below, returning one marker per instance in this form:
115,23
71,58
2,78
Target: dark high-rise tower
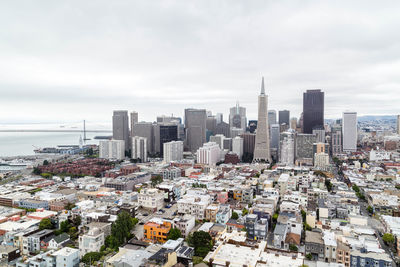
120,125
313,110
284,117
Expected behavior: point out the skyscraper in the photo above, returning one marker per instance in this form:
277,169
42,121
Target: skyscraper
237,117
261,149
271,117
163,133
195,128
139,149
145,129
121,127
134,120
349,131
313,110
284,117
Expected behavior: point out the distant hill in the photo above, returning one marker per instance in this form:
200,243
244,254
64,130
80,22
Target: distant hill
377,117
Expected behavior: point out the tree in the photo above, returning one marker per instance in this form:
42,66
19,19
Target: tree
388,238
303,215
156,180
36,171
197,260
245,212
201,241
293,247
174,234
121,228
65,226
370,210
91,257
46,224
45,162
309,256
77,220
356,188
69,206
235,216
328,185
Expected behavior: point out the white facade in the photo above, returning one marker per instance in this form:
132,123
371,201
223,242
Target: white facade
112,149
379,155
286,151
237,146
321,160
139,148
173,151
67,257
209,154
91,242
151,199
219,139
349,131
195,205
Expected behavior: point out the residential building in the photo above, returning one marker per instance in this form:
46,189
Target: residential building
156,230
112,149
139,148
91,242
173,151
237,146
67,257
150,198
209,154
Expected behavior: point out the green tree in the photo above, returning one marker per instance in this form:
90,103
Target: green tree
65,226
121,228
174,234
303,215
45,162
46,224
77,220
356,188
245,211
235,216
156,180
293,247
36,171
388,238
328,185
370,210
69,206
197,260
201,241
309,256
91,257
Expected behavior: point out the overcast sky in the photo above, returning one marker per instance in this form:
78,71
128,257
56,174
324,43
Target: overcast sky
72,60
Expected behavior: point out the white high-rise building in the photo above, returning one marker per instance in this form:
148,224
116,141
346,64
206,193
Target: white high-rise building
112,149
261,148
237,146
349,131
209,154
219,139
173,151
139,148
321,161
286,150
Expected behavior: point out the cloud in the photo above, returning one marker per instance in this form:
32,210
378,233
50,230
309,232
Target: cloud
82,59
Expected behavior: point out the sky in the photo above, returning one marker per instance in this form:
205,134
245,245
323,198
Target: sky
65,61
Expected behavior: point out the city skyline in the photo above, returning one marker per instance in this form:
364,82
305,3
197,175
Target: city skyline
108,56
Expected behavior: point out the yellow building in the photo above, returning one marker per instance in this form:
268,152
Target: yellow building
156,232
